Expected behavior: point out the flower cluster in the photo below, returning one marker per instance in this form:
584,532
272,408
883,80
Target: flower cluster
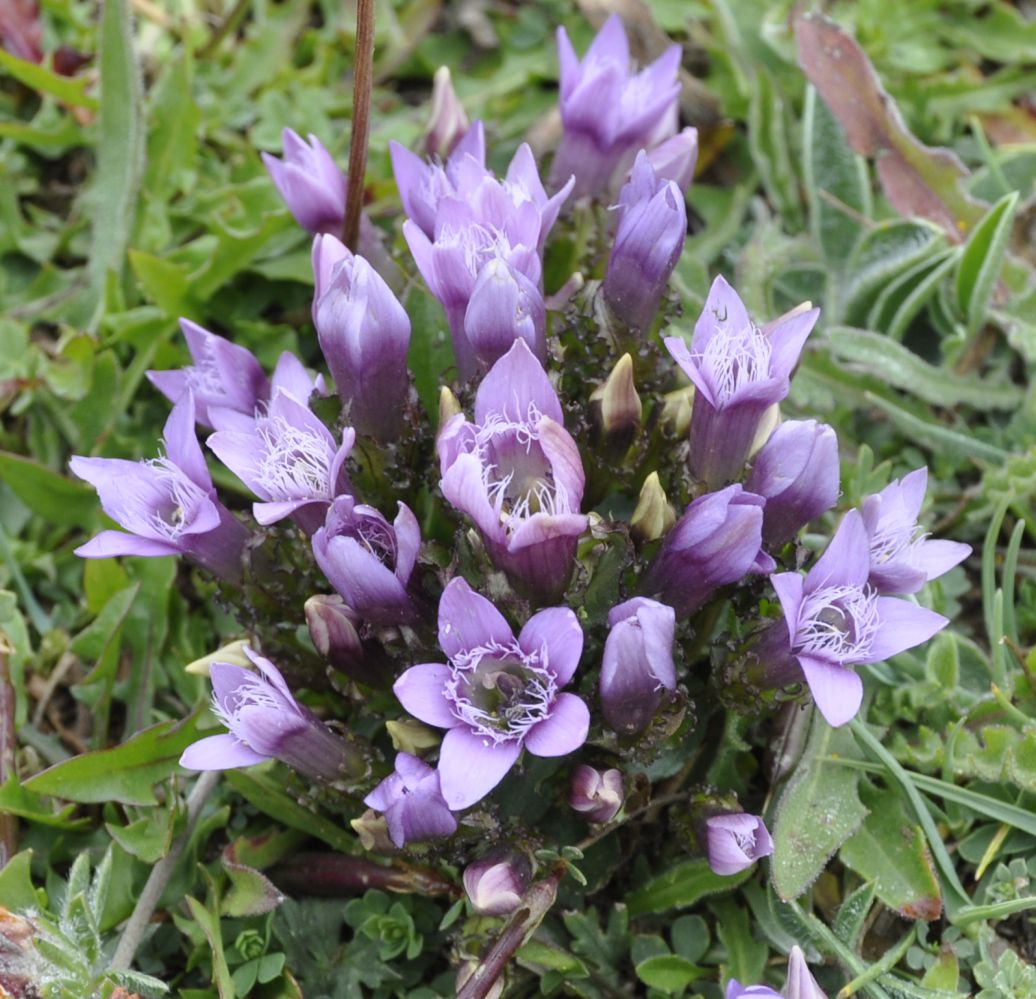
535,593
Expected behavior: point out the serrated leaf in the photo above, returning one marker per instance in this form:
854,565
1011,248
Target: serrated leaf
837,186
127,773
891,851
901,368
818,811
682,886
982,260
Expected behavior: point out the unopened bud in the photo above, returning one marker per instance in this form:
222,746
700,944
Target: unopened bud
598,796
619,405
449,406
676,409
654,514
410,736
496,883
232,652
334,628
448,121
372,830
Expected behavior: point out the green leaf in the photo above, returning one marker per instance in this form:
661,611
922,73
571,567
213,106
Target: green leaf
746,954
944,973
165,283
16,884
91,642
16,800
818,811
120,144
126,773
668,972
937,437
174,117
148,838
837,186
682,886
768,141
210,926
901,368
890,850
852,915
49,495
881,255
251,893
68,89
267,794
983,259
905,295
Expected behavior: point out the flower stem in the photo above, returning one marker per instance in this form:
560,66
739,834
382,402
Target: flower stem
363,73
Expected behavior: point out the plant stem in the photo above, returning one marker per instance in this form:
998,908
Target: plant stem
522,924
363,74
8,748
160,874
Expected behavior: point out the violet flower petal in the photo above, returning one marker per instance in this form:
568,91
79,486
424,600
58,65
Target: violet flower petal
471,765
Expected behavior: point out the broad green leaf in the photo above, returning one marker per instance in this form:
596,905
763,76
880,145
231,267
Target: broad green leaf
682,886
126,773
818,811
668,972
890,850
982,260
251,892
901,368
746,953
91,642
165,283
148,838
16,800
16,884
944,973
120,144
554,958
881,255
51,496
174,118
68,89
267,794
837,186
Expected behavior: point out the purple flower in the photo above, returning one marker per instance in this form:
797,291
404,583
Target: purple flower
476,220
598,796
608,112
652,227
223,375
797,473
364,334
447,122
834,620
498,695
266,722
902,559
310,182
735,841
495,885
739,371
504,306
166,505
368,560
423,185
716,542
516,472
637,664
676,158
288,458
412,802
800,983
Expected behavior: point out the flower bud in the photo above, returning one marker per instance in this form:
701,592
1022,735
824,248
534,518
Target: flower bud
410,736
599,796
637,664
648,242
677,407
372,830
716,542
496,883
232,652
449,406
800,983
676,158
504,306
617,406
310,182
735,841
797,474
447,122
654,514
364,334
